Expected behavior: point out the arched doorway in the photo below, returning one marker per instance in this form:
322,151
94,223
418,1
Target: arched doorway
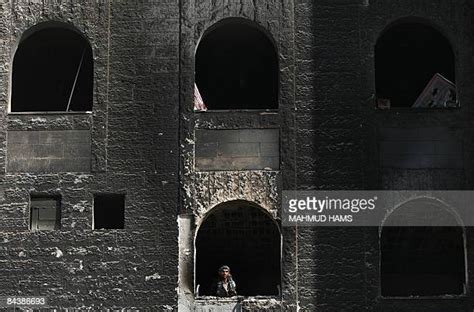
243,236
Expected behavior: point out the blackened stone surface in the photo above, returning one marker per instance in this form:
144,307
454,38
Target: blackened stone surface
142,145
133,150
244,149
420,148
49,151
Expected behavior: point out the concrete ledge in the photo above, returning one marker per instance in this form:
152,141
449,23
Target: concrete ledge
236,304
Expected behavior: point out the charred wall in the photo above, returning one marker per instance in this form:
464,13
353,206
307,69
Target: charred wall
257,180
342,142
131,149
142,139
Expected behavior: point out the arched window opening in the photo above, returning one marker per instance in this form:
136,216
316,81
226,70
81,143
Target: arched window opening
52,71
414,67
423,260
237,67
239,234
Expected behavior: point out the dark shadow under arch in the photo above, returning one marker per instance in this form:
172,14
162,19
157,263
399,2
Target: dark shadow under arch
52,70
408,54
237,67
241,235
422,260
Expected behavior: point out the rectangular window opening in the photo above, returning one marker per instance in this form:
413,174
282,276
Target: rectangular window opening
45,213
109,211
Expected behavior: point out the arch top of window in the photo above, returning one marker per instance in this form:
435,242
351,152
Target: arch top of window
52,71
239,21
236,68
416,20
50,24
415,67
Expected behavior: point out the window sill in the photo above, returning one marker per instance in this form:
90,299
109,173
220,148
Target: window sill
51,113
215,299
253,303
407,111
417,109
438,297
269,170
49,121
238,111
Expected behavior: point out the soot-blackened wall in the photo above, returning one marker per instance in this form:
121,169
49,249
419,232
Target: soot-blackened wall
140,142
127,144
341,142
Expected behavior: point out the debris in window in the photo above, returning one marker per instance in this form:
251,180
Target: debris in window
383,103
237,67
407,54
52,71
199,105
438,93
75,80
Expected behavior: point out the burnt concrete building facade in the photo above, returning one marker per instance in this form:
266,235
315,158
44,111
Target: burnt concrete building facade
117,194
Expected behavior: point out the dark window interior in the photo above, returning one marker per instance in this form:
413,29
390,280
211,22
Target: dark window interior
406,58
243,237
52,71
237,68
109,211
422,261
